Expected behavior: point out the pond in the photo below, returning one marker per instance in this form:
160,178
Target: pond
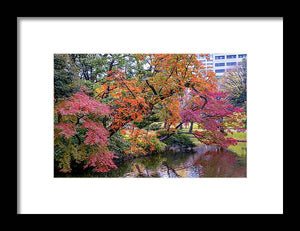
201,161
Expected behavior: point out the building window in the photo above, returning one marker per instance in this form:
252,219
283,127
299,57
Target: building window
219,64
231,56
242,56
220,57
220,71
231,64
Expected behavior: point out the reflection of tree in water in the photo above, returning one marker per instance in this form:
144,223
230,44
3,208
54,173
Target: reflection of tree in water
154,166
220,164
170,170
202,163
151,163
121,170
174,159
146,167
124,168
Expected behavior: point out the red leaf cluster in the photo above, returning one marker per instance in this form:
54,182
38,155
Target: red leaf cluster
101,160
96,134
67,129
82,104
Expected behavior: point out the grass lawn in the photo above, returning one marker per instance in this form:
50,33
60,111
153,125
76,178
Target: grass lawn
194,139
240,149
191,136
238,135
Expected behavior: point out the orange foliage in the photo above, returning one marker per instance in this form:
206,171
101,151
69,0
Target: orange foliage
171,75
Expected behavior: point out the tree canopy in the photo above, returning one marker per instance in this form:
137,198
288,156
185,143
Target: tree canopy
104,99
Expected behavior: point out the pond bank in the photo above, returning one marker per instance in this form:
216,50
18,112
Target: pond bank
200,161
174,162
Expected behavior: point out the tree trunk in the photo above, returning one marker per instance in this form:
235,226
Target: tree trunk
191,127
180,127
165,124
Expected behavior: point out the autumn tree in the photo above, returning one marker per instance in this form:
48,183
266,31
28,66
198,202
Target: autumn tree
235,81
127,91
79,134
215,117
163,82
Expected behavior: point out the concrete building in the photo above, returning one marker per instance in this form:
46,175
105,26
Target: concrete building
222,62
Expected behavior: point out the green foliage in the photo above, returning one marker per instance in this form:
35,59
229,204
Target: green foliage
155,126
66,80
239,99
82,83
158,145
62,78
146,122
94,67
236,82
118,144
181,140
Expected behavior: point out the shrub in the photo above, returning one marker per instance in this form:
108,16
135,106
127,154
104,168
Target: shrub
182,140
155,126
118,144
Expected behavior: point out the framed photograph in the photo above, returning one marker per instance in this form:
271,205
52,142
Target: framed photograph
177,115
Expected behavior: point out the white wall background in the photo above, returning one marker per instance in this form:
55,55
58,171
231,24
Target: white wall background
260,39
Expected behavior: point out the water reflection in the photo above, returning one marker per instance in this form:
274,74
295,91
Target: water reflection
203,161
219,164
